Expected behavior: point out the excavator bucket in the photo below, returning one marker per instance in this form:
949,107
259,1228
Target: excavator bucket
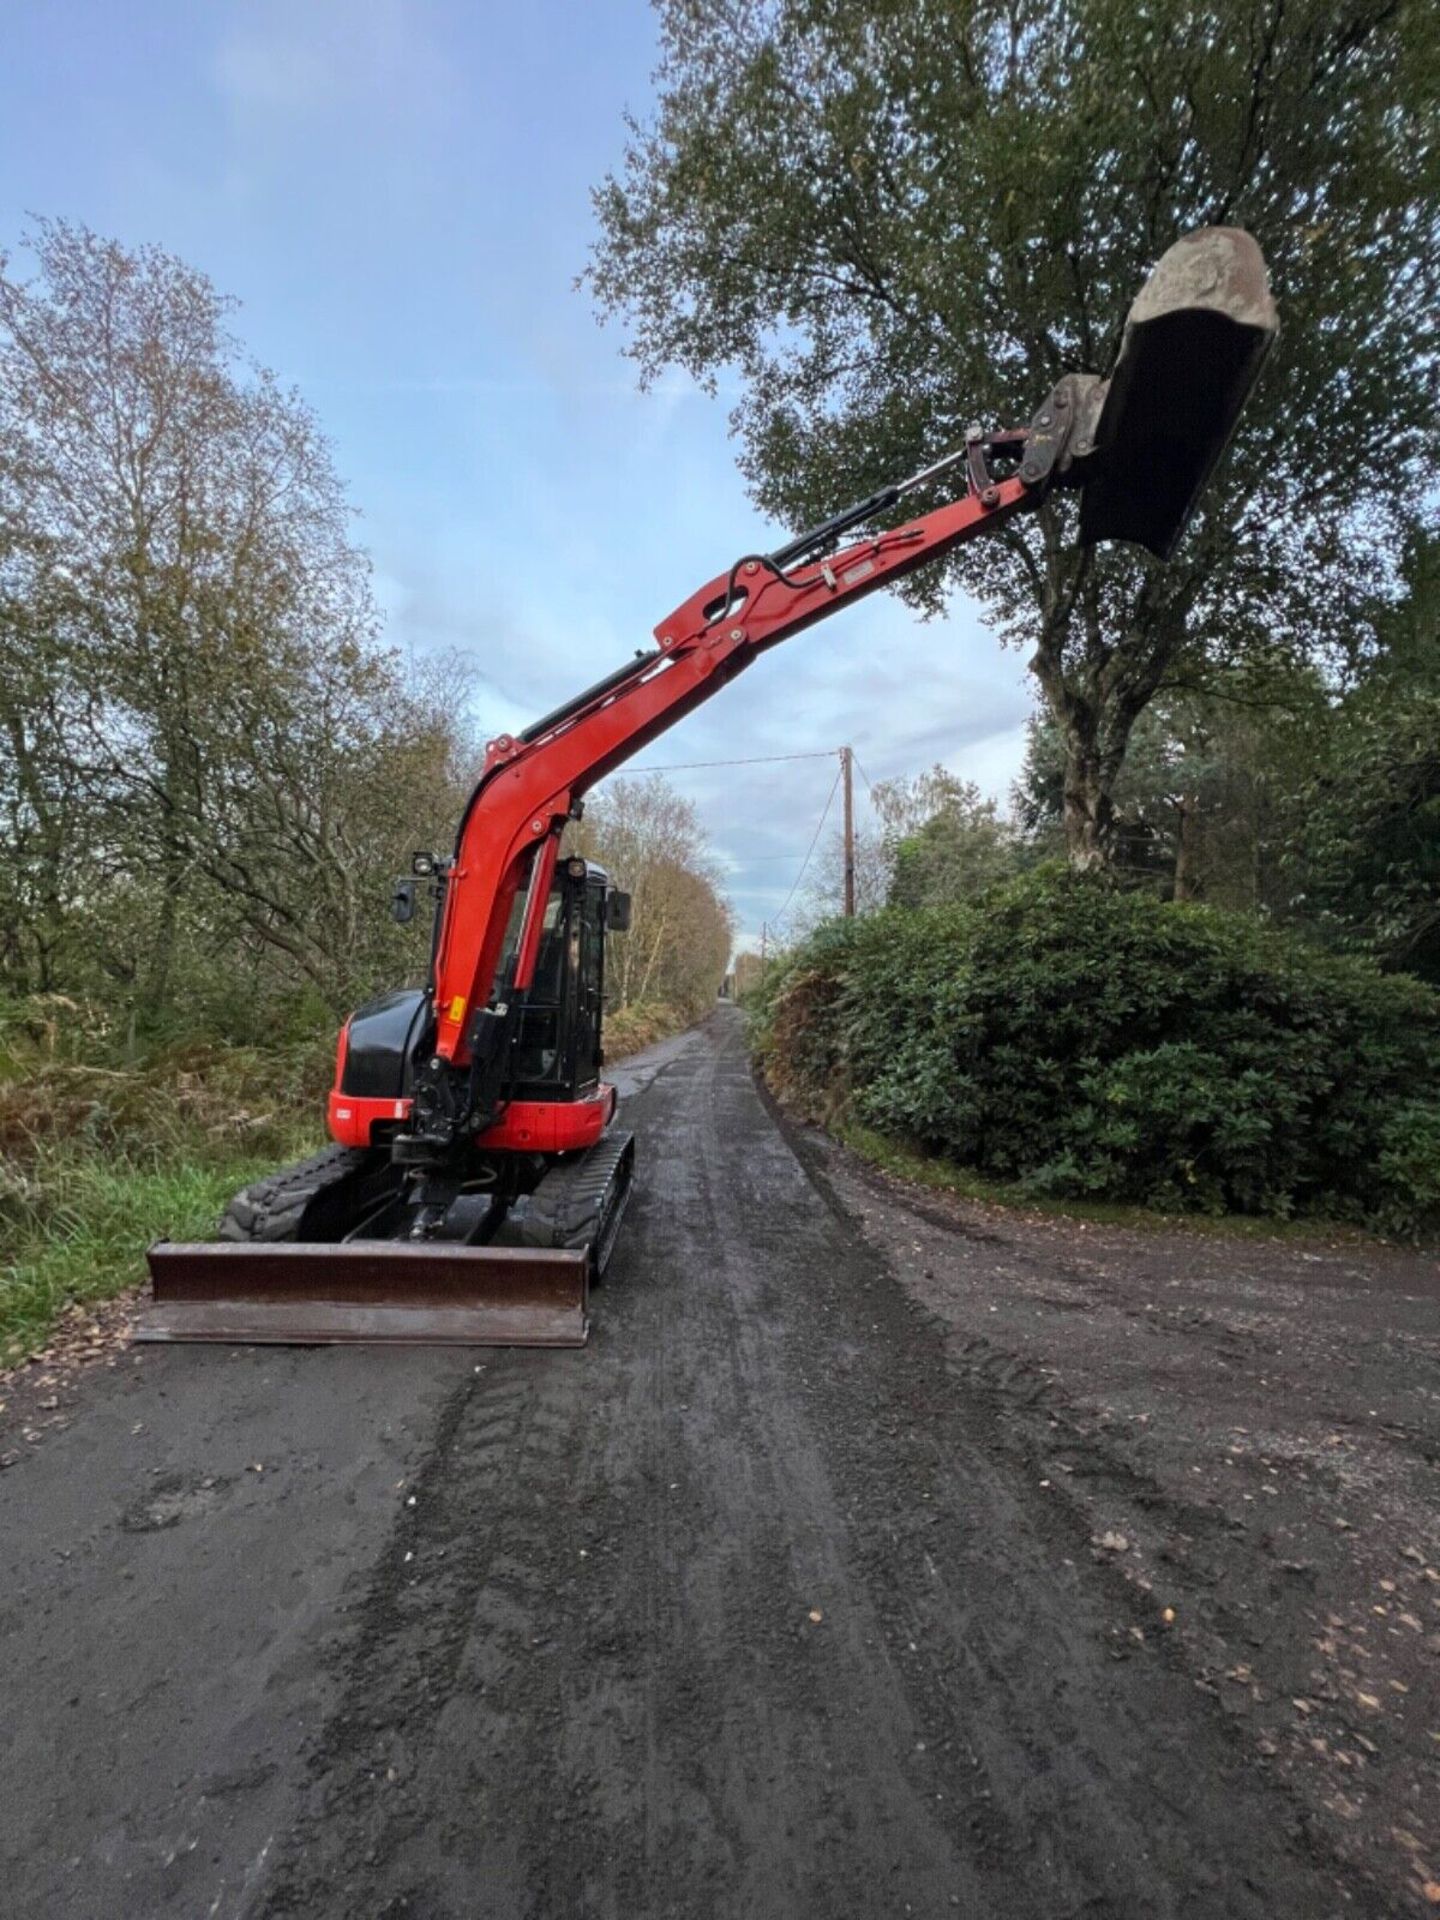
1192,347
416,1294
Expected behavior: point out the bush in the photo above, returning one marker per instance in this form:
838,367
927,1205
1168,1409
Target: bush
1086,1042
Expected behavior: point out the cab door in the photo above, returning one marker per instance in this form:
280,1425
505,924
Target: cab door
590,985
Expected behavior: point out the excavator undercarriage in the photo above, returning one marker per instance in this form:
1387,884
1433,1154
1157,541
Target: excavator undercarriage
307,1279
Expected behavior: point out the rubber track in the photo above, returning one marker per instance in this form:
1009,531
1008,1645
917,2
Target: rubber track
579,1204
272,1208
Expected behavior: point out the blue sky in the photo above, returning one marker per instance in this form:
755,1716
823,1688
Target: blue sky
398,192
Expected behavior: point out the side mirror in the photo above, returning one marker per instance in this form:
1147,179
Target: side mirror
617,911
402,901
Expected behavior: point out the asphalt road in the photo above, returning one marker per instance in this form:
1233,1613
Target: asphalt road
747,1609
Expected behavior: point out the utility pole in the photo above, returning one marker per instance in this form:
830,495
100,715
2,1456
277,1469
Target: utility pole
847,762
764,932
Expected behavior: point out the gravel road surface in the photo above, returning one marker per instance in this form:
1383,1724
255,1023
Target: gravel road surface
879,1556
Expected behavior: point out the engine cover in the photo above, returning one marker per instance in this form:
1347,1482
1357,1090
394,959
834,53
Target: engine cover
385,1037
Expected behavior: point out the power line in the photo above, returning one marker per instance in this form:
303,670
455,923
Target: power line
759,760
813,844
769,760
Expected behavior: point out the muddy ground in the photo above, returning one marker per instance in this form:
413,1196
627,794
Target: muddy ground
880,1555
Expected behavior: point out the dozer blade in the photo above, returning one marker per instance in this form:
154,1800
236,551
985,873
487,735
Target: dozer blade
417,1294
1192,347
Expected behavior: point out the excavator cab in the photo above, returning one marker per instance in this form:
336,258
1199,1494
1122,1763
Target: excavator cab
558,1053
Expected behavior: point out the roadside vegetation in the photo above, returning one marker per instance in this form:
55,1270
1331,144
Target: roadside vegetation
1237,1017
1072,1039
99,1157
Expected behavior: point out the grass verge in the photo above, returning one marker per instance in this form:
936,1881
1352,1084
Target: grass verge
97,1161
77,1229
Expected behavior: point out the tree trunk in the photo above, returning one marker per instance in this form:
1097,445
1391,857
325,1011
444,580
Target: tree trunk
1187,850
654,956
1089,811
1093,759
1097,679
154,998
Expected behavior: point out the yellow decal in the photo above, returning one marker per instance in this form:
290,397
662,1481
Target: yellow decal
457,1008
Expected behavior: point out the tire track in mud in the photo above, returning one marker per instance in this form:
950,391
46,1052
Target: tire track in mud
399,1659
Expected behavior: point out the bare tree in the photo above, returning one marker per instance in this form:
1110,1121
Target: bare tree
187,638
651,842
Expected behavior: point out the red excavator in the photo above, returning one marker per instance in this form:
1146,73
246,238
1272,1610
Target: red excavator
477,1177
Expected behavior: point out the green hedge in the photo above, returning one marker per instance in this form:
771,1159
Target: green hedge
1087,1042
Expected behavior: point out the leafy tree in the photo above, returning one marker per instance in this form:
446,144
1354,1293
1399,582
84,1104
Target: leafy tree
934,838
906,804
48,854
1367,839
887,219
963,849
1206,800
1317,803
